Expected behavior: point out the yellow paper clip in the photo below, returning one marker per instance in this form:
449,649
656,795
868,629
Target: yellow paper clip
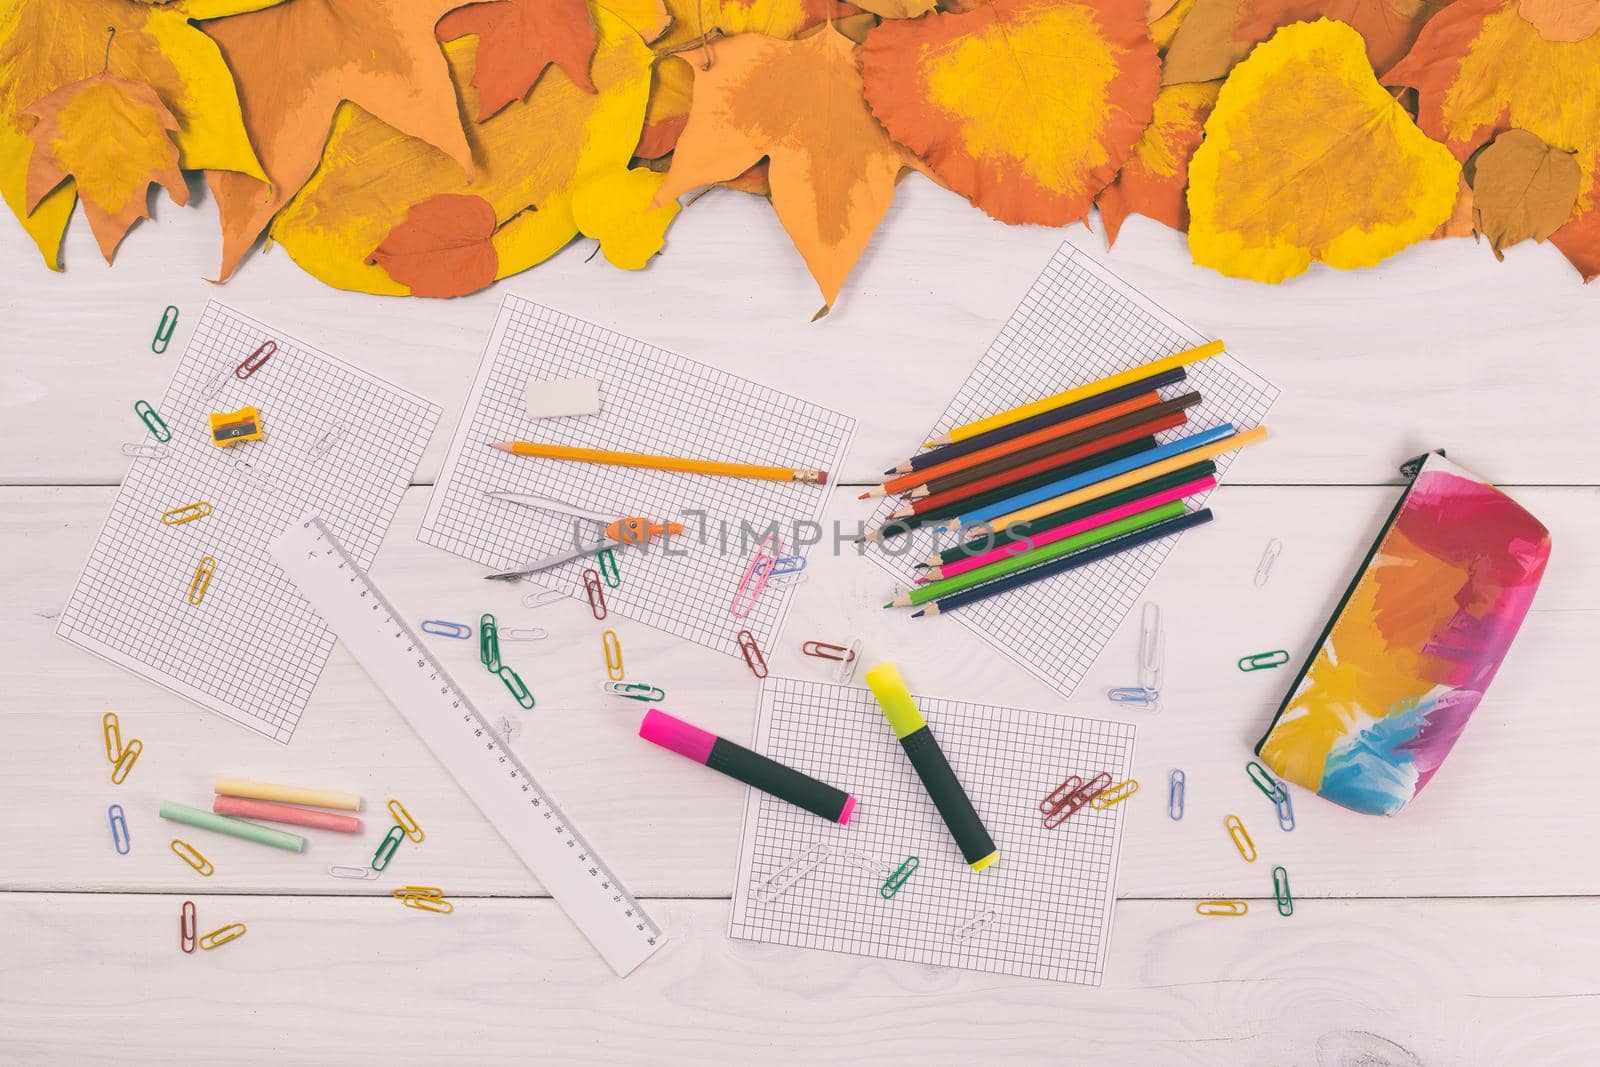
424,898
613,649
112,729
191,855
1222,907
125,760
1115,795
231,427
222,935
1241,838
188,513
403,819
202,579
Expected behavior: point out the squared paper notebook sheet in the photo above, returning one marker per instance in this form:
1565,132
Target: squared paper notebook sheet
252,649
1052,891
1077,324
651,401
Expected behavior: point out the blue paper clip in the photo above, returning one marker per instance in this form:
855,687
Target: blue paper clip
1135,696
1176,784
119,828
1263,660
446,628
899,877
169,323
787,565
1285,809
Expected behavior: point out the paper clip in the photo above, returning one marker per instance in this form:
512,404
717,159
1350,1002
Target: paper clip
1268,558
1264,781
1222,907
508,729
403,819
1285,810
784,878
324,444
1241,838
876,869
255,360
596,591
1076,800
1280,890
188,927
524,633
1152,647
541,598
1135,696
424,898
756,574
518,688
125,761
222,935
822,650
1263,660
787,570
119,828
386,847
143,451
978,923
1115,795
191,855
1060,795
188,513
608,568
218,382
202,579
111,729
152,421
635,691
752,654
365,874
488,643
899,878
611,644
446,628
164,330
1176,786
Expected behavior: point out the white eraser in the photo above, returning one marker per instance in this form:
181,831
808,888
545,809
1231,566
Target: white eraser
561,396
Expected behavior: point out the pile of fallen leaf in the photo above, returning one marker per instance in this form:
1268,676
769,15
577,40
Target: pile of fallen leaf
429,147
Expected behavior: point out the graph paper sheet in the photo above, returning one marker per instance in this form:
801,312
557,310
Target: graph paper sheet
252,649
1078,323
651,401
1051,893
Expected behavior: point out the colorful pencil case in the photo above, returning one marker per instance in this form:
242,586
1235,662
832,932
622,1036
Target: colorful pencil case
1413,645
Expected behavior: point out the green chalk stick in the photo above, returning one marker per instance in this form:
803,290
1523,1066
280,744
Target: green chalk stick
223,824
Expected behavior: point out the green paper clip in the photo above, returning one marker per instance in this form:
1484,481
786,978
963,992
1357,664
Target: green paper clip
1264,781
489,643
1263,660
608,568
386,847
169,323
515,684
147,415
1280,889
636,691
899,877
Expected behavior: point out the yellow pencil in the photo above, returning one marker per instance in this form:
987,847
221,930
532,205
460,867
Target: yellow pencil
1079,392
662,463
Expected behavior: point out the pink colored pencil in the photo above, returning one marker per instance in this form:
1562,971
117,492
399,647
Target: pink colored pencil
267,811
1057,533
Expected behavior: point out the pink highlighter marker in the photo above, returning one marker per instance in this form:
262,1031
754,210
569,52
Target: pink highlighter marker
749,767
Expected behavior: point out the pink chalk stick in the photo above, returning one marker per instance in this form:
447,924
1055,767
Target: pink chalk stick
267,811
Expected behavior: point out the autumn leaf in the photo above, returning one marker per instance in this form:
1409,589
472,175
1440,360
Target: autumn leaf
897,9
1154,181
833,169
1480,68
695,20
534,153
1219,33
47,44
615,208
671,87
296,62
648,18
1459,224
517,39
1562,20
1026,107
1164,26
443,248
1522,188
1270,191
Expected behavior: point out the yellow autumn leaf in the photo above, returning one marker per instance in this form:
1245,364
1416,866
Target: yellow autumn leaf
533,153
614,209
897,9
694,20
648,18
1306,157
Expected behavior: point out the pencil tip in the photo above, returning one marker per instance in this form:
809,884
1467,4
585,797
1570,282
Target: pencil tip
890,604
864,496
501,445
916,614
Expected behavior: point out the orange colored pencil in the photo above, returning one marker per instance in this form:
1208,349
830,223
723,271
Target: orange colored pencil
662,463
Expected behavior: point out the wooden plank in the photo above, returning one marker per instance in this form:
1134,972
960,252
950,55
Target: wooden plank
672,829
1416,368
1398,983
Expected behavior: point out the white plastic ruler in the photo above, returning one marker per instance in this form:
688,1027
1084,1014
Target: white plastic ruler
442,715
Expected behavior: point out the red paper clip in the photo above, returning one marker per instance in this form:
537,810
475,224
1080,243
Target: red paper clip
1075,801
188,931
756,574
752,654
596,591
1060,795
823,650
255,360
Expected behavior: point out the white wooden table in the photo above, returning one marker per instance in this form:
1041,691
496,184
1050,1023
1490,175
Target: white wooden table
1463,932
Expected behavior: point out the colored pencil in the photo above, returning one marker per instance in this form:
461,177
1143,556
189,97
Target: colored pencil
945,453
1068,396
1067,563
662,463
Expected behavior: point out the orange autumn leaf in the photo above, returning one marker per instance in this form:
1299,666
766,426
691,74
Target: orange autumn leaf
1480,68
1521,188
695,20
443,248
114,138
296,62
1164,27
517,40
832,167
1562,20
1155,179
1025,107
1219,33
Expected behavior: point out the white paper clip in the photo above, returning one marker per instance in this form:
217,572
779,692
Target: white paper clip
1268,558
247,470
140,450
786,570
783,879
542,597
847,667
523,633
879,872
1135,697
642,691
975,925
1152,647
218,382
365,874
324,444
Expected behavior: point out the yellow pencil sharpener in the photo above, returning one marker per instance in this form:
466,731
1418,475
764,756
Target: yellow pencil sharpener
231,427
